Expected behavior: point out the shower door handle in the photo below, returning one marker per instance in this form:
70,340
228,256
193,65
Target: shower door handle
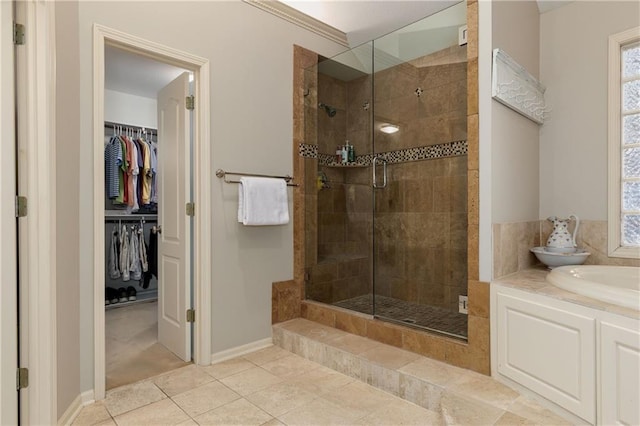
384,172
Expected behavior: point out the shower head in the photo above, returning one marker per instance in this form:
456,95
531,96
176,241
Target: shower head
331,111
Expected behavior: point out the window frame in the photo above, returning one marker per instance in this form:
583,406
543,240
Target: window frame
616,42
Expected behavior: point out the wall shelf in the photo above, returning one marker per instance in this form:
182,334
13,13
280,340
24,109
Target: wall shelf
513,86
345,166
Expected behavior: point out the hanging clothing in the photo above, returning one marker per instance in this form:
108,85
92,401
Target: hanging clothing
144,262
129,180
147,174
122,172
112,161
124,253
153,258
154,173
131,167
139,182
134,256
135,171
112,263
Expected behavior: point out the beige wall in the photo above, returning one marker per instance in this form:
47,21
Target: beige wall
251,54
573,142
130,109
67,201
514,138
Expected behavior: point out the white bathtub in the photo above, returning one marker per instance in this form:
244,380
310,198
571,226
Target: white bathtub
619,285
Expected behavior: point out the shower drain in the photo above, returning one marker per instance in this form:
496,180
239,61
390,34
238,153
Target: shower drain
409,320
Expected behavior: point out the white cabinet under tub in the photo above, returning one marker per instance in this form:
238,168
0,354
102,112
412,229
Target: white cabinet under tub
619,374
584,360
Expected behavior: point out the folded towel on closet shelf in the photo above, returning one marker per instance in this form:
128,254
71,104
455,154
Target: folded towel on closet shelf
262,201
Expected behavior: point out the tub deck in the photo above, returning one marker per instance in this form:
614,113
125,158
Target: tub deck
534,281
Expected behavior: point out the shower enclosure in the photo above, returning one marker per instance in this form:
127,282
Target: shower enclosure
388,224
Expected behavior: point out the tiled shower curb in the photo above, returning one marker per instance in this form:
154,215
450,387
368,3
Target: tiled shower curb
319,349
461,396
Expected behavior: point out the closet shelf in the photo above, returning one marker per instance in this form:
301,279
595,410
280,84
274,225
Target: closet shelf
116,214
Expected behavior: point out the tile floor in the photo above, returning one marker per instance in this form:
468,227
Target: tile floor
132,349
274,387
430,317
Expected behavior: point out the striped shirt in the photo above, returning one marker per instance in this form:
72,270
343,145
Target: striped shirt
112,160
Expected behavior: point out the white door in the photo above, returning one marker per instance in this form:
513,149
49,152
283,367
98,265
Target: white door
174,261
8,253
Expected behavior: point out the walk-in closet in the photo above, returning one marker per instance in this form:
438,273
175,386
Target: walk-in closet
133,172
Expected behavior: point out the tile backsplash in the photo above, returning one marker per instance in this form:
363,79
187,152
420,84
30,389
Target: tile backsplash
512,241
511,244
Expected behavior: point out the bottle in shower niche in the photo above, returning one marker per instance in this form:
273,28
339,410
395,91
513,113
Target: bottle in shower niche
345,154
338,158
351,153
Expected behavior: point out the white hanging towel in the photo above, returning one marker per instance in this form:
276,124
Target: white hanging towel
262,201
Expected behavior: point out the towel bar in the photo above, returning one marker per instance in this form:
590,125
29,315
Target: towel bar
223,175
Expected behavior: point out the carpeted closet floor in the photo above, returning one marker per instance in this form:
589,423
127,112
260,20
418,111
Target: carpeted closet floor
132,349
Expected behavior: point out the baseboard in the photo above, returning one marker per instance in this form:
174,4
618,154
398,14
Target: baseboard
70,414
241,350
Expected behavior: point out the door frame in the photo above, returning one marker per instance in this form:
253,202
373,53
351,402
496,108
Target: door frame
36,129
201,258
8,225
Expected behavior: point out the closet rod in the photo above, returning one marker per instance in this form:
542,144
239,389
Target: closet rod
111,124
131,219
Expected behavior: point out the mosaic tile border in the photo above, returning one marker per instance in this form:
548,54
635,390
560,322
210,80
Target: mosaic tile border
443,150
307,150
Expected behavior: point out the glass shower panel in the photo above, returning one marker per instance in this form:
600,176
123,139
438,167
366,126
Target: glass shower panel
386,230
338,109
420,211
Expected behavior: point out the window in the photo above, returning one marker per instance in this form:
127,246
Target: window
624,144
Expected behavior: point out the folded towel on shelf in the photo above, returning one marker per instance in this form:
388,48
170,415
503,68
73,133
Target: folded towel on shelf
262,201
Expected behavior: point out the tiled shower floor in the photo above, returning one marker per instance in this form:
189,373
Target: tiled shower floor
430,317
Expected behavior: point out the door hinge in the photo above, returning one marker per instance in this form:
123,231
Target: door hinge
22,378
18,34
190,102
21,206
191,315
190,209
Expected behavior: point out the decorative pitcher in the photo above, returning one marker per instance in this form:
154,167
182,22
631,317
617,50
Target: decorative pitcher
560,240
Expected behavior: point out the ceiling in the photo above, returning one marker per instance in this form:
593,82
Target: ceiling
547,5
360,20
380,16
134,74
364,20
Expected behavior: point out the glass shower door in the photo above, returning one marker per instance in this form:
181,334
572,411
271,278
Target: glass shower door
418,172
387,228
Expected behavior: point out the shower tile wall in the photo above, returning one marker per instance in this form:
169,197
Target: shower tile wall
421,232
438,115
421,216
343,268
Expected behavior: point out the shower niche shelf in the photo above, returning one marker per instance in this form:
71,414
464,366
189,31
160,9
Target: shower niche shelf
345,166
